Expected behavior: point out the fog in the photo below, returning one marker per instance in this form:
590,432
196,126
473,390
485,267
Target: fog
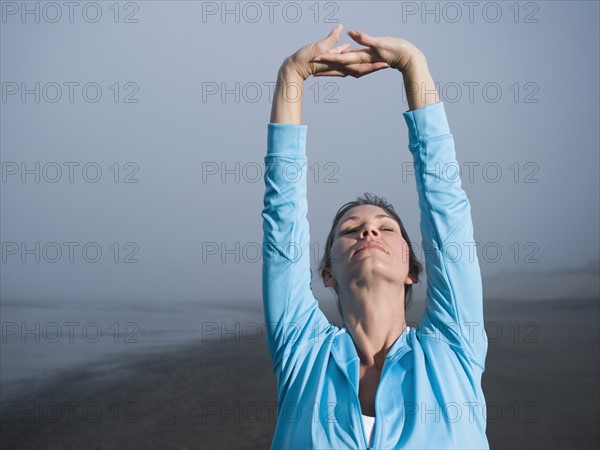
133,136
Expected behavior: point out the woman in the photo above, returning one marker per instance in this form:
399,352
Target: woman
374,383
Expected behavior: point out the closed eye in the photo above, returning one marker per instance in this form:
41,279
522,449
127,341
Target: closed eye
352,230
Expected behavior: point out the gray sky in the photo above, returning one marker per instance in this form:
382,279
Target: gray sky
141,99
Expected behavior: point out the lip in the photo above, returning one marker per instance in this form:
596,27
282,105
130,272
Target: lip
370,244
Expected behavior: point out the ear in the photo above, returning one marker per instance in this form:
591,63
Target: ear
411,279
328,279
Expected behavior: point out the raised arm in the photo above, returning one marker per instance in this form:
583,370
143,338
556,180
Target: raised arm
454,308
291,310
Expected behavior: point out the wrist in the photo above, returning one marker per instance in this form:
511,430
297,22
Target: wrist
414,64
421,90
289,72
287,100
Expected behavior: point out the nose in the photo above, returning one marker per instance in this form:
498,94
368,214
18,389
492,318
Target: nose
369,229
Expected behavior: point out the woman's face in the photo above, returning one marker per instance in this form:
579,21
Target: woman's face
368,245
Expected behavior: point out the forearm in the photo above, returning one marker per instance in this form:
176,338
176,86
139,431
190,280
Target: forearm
420,87
287,99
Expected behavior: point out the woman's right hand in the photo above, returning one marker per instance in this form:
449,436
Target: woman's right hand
302,62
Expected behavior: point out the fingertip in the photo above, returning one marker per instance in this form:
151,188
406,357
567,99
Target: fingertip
355,36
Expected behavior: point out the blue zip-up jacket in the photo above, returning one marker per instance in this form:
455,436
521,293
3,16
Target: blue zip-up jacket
429,395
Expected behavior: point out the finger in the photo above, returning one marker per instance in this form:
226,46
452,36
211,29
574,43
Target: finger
379,66
339,49
325,68
348,58
333,51
321,67
355,70
362,38
358,70
331,38
331,73
356,49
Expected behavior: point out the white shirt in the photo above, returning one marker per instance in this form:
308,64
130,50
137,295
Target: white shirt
368,424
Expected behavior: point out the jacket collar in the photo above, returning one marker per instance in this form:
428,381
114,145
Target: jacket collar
344,352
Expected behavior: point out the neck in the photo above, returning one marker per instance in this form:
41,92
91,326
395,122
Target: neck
374,317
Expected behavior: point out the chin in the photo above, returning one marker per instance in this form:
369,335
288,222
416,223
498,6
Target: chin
373,267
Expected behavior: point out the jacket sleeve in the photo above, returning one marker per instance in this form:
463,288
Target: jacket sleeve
454,305
292,314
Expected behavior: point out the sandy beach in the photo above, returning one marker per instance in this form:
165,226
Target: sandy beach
541,379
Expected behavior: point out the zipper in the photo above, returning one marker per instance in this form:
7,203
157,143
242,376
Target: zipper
377,414
386,364
357,405
357,400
